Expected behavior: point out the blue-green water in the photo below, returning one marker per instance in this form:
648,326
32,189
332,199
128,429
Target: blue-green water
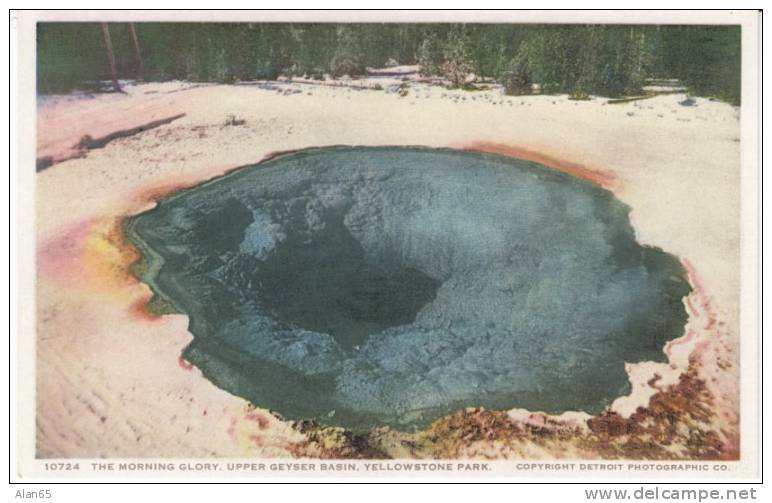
372,286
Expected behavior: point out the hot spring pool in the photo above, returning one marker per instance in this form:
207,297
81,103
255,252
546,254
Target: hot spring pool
391,286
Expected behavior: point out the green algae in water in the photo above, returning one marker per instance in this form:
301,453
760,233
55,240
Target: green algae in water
392,286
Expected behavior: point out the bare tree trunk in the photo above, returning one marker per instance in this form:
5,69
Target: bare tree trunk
137,51
111,57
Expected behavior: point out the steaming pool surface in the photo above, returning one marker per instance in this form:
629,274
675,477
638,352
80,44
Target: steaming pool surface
390,286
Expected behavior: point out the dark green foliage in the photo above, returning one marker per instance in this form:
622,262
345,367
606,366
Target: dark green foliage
585,74
549,53
590,59
579,60
707,58
517,77
491,48
345,63
71,55
429,56
348,58
457,61
627,58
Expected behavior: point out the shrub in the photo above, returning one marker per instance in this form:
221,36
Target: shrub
316,74
291,71
345,62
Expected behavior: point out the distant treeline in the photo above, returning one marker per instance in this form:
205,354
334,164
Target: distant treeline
607,60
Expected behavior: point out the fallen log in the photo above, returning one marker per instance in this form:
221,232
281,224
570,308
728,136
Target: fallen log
87,142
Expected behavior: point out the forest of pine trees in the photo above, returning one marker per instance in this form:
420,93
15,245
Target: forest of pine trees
579,60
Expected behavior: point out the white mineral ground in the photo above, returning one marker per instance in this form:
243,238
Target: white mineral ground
110,381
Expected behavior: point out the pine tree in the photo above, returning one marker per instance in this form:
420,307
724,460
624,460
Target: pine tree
517,77
586,71
430,56
348,58
457,62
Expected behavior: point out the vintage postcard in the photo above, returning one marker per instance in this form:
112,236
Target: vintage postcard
344,245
